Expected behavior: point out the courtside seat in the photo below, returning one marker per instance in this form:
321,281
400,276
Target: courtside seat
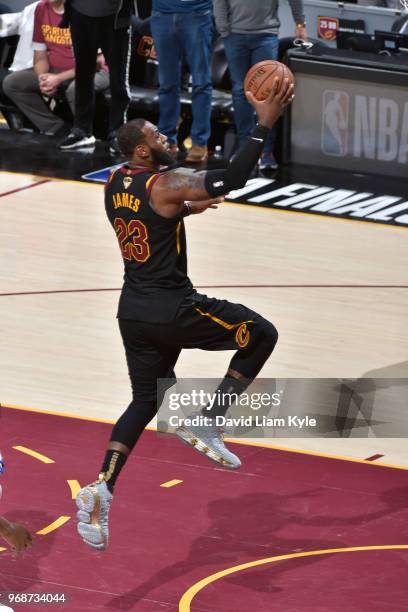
221,104
145,100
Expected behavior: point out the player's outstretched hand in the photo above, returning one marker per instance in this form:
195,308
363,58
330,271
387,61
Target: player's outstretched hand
17,536
270,109
200,206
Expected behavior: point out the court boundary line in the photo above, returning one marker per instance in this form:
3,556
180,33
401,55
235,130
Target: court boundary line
371,222
32,453
310,453
188,596
3,194
294,286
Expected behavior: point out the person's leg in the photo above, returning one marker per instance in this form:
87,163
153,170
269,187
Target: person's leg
101,80
12,115
221,325
116,48
169,54
84,32
238,53
3,73
70,96
146,364
101,83
266,47
23,89
212,324
195,33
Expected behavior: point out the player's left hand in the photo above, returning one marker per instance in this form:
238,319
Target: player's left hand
200,206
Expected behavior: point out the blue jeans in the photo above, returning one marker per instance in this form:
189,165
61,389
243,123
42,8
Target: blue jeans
243,51
177,36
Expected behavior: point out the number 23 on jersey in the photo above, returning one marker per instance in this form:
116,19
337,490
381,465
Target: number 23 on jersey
133,239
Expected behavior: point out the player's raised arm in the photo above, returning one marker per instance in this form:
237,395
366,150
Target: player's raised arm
177,186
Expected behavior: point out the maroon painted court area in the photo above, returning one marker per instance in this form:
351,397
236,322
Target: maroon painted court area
164,540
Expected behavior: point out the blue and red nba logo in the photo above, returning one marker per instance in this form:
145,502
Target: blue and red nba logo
335,118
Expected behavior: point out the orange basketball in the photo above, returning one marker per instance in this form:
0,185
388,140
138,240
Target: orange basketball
260,78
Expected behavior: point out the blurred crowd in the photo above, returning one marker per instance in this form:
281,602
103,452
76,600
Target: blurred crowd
68,50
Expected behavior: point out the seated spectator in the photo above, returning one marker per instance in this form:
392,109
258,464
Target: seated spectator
53,72
22,25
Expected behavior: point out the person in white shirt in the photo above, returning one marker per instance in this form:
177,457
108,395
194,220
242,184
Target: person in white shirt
17,24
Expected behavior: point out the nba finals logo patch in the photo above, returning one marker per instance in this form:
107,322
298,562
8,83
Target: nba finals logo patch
335,118
127,181
327,27
242,336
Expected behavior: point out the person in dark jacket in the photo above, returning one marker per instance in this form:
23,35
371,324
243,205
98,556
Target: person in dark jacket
104,24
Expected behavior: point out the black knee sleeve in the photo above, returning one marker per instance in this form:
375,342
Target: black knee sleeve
250,360
267,332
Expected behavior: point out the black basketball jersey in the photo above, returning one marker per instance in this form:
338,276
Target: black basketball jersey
153,248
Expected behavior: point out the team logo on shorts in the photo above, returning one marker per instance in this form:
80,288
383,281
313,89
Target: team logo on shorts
242,336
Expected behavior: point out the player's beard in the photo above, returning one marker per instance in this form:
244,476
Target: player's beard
161,158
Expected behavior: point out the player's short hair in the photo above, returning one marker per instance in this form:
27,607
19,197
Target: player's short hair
130,135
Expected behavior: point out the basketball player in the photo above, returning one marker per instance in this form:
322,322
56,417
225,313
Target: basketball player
15,535
159,311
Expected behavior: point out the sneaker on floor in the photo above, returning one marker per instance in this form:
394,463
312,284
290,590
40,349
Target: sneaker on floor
114,146
93,502
77,138
196,155
268,162
208,439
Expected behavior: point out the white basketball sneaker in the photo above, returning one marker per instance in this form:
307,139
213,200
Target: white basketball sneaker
208,440
93,503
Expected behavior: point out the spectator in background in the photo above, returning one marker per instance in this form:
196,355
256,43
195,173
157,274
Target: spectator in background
249,29
53,72
22,25
184,29
94,24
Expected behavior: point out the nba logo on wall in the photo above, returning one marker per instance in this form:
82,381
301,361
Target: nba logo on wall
335,117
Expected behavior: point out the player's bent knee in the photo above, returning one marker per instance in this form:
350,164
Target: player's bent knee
267,332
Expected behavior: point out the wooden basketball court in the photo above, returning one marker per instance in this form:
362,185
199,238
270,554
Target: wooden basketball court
336,290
